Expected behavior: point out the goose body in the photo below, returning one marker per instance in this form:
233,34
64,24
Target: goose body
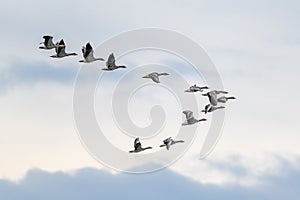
169,141
48,43
138,146
88,54
60,50
224,99
155,76
210,108
213,96
190,119
111,63
195,88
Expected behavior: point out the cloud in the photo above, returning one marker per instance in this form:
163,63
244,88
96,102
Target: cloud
90,183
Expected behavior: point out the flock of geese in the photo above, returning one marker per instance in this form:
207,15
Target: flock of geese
88,57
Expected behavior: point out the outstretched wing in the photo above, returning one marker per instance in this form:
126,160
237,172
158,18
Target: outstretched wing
213,98
61,47
167,140
110,61
83,51
222,99
207,107
137,143
47,38
88,50
154,78
188,114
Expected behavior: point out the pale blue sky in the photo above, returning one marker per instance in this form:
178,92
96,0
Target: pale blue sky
255,47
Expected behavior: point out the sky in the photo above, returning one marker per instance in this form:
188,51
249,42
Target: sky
253,45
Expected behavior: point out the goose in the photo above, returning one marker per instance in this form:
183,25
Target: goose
210,108
190,118
111,63
60,50
88,54
138,146
195,88
48,43
224,99
213,96
155,76
169,141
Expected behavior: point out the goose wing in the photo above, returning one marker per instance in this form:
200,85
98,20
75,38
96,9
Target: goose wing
213,98
154,78
110,61
207,106
60,49
48,40
88,50
137,143
83,51
222,99
188,114
167,140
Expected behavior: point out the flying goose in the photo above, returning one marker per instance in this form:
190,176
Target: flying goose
138,146
213,95
195,88
190,118
60,50
48,43
155,76
224,99
111,63
88,54
169,141
210,108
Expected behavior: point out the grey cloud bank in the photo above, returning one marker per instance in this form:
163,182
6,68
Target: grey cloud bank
90,184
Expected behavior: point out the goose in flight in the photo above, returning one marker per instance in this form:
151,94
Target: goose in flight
213,96
138,146
60,50
88,54
224,99
155,76
210,108
111,63
195,88
190,118
48,43
169,141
